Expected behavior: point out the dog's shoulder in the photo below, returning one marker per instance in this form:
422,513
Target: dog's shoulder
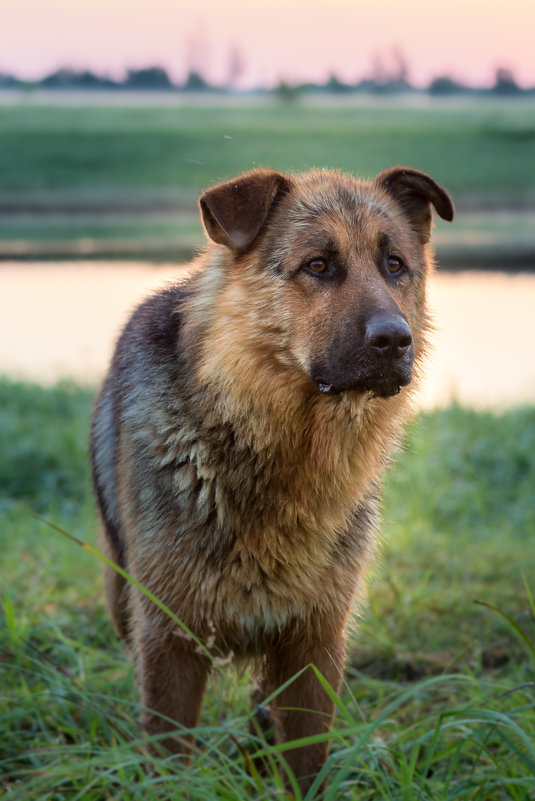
155,323
149,342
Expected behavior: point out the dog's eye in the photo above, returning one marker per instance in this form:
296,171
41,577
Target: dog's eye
317,266
394,265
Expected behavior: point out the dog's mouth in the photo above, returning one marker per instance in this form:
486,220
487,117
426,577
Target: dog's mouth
387,391
377,375
376,386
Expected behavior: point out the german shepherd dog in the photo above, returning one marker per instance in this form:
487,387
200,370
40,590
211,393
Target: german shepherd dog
241,431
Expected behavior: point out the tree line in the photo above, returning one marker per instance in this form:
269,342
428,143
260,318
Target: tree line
156,78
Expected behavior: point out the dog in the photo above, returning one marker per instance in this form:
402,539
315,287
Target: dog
240,435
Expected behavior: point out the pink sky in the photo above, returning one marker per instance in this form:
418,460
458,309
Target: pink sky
290,39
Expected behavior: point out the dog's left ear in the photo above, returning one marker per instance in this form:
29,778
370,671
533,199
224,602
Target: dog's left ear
234,212
415,191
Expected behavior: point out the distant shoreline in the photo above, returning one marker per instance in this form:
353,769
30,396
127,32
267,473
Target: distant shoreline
173,96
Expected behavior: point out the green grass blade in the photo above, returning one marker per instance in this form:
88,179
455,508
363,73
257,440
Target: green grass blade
514,625
148,594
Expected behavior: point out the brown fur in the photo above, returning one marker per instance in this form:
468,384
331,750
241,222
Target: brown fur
239,437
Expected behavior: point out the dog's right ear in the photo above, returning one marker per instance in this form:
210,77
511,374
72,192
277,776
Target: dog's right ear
234,212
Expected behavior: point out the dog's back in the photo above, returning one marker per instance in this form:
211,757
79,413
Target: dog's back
239,437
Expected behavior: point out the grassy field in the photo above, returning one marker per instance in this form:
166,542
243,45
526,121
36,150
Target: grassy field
438,703
123,180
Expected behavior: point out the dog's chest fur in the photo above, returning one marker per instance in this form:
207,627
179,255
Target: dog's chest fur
246,521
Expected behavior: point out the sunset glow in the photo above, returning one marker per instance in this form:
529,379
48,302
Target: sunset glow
270,40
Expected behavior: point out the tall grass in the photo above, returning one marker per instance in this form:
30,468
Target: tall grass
438,701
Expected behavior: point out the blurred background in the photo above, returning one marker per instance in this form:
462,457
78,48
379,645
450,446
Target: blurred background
114,115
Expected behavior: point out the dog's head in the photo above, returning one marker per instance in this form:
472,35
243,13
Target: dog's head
342,265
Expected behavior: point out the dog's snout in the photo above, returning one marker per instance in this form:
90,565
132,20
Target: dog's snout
388,336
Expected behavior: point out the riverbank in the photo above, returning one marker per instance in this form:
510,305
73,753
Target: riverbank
496,239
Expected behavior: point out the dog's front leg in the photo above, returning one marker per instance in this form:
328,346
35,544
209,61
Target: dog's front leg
304,708
172,675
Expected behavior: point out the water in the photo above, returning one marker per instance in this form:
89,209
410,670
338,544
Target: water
61,321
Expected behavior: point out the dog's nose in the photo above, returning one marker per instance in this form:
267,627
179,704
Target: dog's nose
388,335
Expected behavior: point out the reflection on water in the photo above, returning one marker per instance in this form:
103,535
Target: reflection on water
483,354
61,320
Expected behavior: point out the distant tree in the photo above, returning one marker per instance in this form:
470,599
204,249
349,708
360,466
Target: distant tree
505,82
287,92
335,85
198,50
59,79
195,82
379,74
236,66
88,80
365,85
399,75
444,85
66,78
7,81
389,76
148,78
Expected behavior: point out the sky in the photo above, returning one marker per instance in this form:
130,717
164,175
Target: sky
271,40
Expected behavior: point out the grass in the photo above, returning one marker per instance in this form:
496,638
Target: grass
116,173
480,149
438,698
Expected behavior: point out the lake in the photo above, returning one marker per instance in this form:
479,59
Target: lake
61,321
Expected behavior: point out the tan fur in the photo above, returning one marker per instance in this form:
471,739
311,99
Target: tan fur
230,484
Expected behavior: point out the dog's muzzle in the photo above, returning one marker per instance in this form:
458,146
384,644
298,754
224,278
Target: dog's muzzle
380,361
